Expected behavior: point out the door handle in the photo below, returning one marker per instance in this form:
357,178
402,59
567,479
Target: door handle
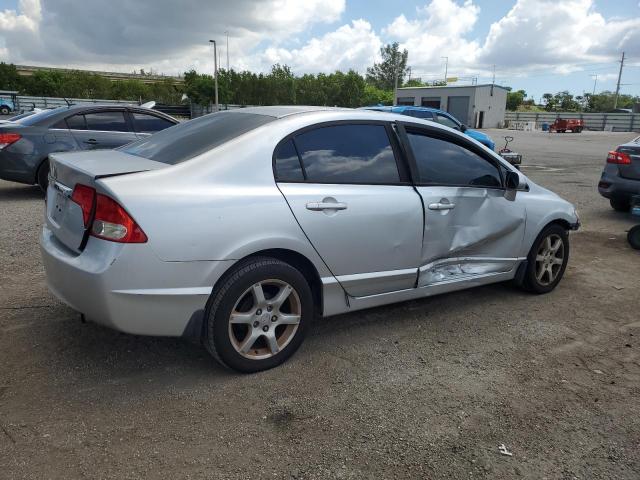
91,141
442,206
318,206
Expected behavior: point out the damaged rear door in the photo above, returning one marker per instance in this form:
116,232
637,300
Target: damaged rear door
471,228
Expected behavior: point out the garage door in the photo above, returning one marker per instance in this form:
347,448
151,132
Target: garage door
459,108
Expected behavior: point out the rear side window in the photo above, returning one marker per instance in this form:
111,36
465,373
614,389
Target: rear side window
106,121
420,114
446,121
444,163
348,154
76,122
146,123
288,168
190,139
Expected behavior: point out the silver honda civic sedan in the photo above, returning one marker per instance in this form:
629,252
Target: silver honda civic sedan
239,227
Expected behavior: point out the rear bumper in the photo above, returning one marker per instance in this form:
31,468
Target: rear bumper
128,288
614,186
18,167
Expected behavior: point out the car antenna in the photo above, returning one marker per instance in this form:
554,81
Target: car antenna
68,102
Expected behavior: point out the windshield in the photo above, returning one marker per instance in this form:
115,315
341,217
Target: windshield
36,118
189,139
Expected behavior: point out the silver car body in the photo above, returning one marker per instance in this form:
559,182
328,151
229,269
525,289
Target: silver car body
390,243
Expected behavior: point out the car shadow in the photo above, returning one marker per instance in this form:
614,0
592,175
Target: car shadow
95,358
20,192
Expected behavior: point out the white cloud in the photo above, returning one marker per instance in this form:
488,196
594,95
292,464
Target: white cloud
172,36
354,46
439,29
557,34
165,35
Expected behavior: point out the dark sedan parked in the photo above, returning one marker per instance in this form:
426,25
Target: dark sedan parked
620,178
25,145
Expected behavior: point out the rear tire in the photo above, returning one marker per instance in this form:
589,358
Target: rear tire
633,237
5,110
257,317
547,260
43,176
620,205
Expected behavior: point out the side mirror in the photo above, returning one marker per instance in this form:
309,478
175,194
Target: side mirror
463,128
512,180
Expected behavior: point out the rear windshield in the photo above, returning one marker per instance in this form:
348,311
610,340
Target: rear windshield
38,117
189,139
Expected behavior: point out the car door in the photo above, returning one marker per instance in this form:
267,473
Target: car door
471,227
352,197
101,129
146,124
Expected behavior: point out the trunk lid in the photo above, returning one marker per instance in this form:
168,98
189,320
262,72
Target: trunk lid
64,217
631,171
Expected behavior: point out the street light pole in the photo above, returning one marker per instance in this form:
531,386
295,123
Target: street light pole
227,32
446,68
595,81
215,72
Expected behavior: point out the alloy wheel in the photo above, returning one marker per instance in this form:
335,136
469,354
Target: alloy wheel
264,319
549,259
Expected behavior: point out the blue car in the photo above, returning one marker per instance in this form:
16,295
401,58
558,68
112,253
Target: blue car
439,116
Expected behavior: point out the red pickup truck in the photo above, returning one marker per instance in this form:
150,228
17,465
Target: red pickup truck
561,125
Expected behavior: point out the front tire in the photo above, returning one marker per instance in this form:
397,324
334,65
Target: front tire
633,237
547,260
5,110
619,205
257,318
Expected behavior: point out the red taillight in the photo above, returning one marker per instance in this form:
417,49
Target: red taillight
112,222
618,158
7,139
85,197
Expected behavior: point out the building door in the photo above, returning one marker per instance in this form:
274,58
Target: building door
459,108
480,119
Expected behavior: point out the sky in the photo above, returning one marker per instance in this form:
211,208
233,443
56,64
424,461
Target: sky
536,45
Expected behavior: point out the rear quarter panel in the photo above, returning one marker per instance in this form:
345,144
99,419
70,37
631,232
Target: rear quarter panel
223,205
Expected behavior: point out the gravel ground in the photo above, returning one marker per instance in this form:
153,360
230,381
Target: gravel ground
423,389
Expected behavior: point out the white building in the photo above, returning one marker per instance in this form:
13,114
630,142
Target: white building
477,106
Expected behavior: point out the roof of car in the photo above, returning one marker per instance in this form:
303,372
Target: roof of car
279,111
402,108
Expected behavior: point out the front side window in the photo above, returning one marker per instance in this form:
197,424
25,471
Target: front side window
348,154
106,121
441,162
146,123
446,121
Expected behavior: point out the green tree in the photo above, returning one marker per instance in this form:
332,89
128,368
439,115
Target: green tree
515,99
9,77
394,63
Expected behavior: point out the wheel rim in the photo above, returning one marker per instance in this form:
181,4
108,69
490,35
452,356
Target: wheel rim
264,319
549,259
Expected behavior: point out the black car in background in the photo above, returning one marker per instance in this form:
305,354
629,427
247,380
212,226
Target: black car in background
26,143
620,178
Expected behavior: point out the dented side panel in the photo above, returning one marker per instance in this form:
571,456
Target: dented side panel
468,232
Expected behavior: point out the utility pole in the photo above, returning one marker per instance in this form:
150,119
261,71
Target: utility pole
615,100
395,84
215,72
446,68
493,80
595,81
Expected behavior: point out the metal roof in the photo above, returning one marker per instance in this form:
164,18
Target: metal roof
454,86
